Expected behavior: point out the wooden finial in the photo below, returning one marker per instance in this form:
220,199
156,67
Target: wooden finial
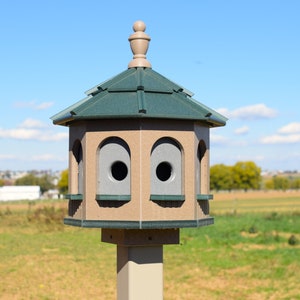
139,42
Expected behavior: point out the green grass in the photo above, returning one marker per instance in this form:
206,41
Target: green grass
43,259
251,249
247,254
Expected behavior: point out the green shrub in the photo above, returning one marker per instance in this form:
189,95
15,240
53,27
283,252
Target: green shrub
253,229
293,240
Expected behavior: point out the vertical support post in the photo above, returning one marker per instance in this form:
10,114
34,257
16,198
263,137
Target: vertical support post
140,272
140,260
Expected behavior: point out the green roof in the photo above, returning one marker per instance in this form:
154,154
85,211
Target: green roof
139,93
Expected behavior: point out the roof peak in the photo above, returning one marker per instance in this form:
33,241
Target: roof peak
139,43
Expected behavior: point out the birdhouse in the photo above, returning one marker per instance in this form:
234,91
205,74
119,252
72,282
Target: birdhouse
139,151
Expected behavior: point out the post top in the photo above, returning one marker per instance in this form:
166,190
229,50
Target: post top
139,26
139,43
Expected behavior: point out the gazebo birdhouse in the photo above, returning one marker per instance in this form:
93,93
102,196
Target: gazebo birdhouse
139,151
139,167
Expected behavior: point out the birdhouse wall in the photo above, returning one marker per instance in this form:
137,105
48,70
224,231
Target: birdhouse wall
138,170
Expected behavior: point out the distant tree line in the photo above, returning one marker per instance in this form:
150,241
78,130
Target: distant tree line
241,176
247,176
282,183
46,182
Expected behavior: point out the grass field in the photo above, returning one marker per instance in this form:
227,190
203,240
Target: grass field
256,201
252,252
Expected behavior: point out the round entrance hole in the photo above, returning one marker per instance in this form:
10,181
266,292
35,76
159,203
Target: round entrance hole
164,171
119,170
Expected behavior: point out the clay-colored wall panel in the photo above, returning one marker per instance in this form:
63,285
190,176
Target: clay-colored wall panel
140,136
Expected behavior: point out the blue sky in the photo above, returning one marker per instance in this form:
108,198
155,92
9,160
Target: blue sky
241,58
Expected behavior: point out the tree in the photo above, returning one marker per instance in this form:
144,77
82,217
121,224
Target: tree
221,177
28,179
269,184
246,175
295,184
45,182
280,183
63,182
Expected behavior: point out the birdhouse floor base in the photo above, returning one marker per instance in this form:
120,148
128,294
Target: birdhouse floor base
140,237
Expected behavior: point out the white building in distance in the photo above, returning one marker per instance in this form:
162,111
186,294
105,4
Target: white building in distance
20,192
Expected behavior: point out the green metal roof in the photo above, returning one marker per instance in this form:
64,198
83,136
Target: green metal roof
139,93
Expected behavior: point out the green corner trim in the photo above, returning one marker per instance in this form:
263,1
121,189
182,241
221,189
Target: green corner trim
204,197
78,197
103,197
139,224
167,197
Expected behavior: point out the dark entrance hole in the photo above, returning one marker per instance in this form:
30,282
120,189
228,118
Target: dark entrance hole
164,171
119,170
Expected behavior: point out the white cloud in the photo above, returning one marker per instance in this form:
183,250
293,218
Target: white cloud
43,105
19,133
32,134
33,105
31,129
59,136
288,134
249,157
281,139
290,128
242,130
250,112
24,104
223,111
7,156
32,123
218,139
48,157
42,157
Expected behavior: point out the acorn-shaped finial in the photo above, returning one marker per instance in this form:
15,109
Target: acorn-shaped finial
139,42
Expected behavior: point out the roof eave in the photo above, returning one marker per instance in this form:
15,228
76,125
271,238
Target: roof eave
215,122
67,118
63,120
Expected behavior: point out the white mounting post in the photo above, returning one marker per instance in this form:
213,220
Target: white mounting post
140,261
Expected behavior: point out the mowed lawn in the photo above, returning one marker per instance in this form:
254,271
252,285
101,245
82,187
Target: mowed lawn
251,252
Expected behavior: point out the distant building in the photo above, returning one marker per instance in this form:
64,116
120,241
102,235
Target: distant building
20,192
51,194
